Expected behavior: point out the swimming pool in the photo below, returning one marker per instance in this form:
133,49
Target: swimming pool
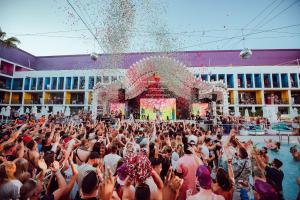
290,168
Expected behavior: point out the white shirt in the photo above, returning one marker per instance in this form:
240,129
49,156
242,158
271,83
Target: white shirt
111,161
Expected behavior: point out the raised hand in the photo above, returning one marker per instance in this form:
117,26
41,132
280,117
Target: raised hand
42,165
107,187
172,186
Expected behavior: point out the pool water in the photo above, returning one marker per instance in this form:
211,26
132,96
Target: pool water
282,127
290,168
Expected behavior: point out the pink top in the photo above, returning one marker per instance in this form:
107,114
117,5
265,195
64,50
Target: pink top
187,166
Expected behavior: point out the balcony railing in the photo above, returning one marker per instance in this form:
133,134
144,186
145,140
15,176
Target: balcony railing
54,101
276,101
4,101
16,101
32,101
74,101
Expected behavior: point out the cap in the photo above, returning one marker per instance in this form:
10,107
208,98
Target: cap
192,139
204,178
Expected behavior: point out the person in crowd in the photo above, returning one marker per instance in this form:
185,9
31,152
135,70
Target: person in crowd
295,153
205,183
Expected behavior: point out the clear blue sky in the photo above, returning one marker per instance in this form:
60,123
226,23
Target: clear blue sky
191,25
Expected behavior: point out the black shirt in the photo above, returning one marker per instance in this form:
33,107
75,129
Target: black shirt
274,177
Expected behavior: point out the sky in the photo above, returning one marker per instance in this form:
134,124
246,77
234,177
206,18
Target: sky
51,27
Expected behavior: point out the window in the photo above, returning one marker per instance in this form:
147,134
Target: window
257,80
91,82
267,80
61,83
75,83
275,79
54,83
284,81
294,80
230,81
99,79
241,81
33,84
204,77
213,77
249,80
47,83
40,84
114,78
17,84
26,85
221,77
81,82
105,79
68,83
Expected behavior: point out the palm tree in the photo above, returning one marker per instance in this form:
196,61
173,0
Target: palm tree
10,42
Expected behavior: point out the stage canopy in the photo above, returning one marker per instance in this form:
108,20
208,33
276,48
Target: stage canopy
168,71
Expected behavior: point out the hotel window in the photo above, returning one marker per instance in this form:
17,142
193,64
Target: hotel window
91,82
47,83
61,83
230,81
257,80
26,85
267,80
284,81
40,84
221,77
249,80
99,79
114,78
17,84
275,79
105,79
204,77
33,84
241,81
75,83
54,83
68,83
5,83
81,82
294,80
213,77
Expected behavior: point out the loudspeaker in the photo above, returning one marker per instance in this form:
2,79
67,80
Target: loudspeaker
194,94
214,97
121,95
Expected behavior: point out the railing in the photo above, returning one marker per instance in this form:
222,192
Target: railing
276,101
54,101
16,101
74,101
4,101
32,101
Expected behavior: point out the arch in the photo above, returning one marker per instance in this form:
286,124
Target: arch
171,73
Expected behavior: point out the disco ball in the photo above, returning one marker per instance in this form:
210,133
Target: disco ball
94,56
245,53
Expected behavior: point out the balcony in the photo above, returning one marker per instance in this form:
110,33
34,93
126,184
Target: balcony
276,97
4,97
54,97
250,97
75,101
16,98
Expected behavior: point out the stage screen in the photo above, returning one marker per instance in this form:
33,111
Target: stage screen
117,108
158,109
199,109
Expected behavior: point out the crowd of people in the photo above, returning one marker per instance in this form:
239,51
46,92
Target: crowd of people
56,158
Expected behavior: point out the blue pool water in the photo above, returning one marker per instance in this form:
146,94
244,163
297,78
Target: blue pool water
290,168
